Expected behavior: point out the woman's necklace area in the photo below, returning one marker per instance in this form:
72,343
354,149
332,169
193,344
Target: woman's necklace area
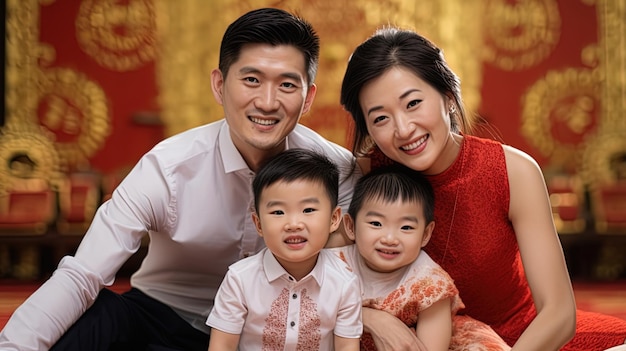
456,198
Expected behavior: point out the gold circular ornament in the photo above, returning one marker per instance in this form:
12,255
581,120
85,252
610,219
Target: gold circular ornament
26,155
602,159
75,112
119,36
560,112
521,34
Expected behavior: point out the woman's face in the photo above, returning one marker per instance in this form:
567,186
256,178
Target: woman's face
409,120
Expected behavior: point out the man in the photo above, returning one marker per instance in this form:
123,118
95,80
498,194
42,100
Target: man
192,195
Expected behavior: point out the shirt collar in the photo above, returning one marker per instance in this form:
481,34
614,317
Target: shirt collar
273,269
231,158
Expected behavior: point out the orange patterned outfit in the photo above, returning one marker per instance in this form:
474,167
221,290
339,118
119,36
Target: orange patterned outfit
412,289
475,243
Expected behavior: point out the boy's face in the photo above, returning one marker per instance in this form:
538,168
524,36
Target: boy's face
295,220
263,95
389,236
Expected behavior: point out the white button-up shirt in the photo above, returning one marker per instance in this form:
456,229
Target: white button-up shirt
272,311
192,195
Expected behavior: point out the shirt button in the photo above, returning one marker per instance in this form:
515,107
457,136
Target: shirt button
295,296
293,324
291,278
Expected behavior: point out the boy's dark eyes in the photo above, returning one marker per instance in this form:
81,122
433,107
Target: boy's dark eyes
375,224
407,227
281,212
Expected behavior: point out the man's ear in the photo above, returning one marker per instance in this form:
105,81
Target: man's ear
217,84
308,99
257,223
348,226
428,231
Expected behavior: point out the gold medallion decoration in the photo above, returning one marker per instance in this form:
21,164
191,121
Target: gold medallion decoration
75,111
520,34
560,112
600,159
26,154
120,36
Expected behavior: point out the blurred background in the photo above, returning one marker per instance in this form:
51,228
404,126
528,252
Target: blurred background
91,85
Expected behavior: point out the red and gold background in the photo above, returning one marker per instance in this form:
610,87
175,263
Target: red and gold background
91,85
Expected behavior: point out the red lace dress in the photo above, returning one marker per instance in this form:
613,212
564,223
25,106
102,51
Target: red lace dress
480,251
408,291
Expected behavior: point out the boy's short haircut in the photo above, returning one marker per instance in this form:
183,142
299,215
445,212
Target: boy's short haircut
298,164
392,183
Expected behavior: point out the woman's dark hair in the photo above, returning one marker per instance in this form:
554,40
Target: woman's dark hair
392,183
274,27
393,47
298,164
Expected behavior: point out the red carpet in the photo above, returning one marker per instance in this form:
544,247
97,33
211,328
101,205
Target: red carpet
609,298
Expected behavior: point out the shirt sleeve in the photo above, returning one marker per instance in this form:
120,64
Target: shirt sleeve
349,322
114,235
229,309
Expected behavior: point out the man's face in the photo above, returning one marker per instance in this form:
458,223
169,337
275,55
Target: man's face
264,95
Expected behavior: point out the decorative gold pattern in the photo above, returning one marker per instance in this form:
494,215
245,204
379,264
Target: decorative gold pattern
37,148
190,36
522,33
559,112
597,157
75,111
22,51
591,104
610,139
21,137
120,36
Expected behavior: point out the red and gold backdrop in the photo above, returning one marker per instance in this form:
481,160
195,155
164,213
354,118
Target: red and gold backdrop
94,84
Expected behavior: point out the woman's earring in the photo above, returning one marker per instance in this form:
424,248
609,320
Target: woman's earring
452,109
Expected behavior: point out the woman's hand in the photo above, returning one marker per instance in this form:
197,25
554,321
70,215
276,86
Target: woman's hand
389,333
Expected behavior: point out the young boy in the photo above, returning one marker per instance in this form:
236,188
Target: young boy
391,218
292,294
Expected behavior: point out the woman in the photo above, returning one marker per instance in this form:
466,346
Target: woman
494,235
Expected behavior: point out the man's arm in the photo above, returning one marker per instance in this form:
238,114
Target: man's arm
114,235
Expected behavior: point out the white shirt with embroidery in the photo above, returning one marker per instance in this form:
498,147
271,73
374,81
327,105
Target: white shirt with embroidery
272,311
192,195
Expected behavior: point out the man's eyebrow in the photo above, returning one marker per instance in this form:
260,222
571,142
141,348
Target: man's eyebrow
290,75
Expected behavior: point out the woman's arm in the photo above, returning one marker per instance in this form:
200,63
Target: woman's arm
542,256
221,341
434,328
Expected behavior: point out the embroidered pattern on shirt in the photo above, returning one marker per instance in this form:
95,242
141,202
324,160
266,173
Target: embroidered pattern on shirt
275,330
